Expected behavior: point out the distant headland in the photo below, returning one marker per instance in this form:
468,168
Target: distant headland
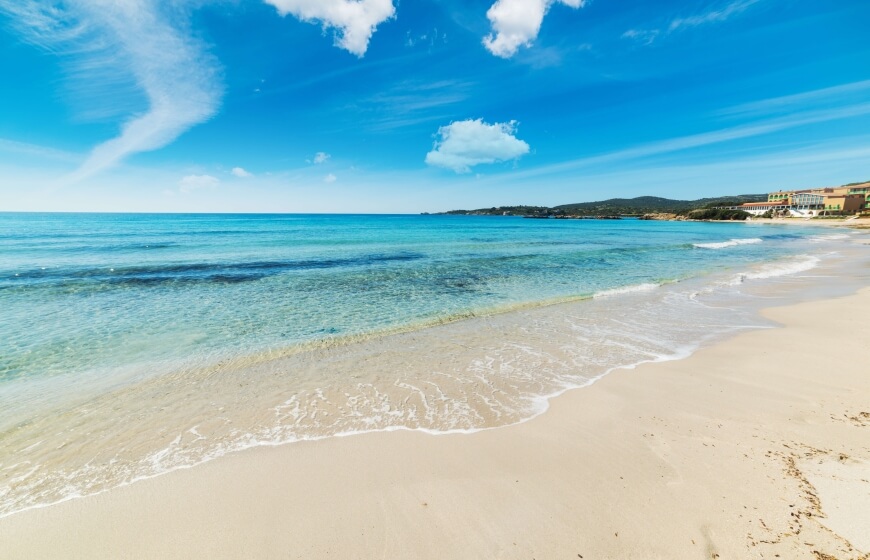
616,207
849,199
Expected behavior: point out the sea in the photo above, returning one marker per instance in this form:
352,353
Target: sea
132,345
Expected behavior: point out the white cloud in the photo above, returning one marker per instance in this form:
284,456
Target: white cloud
330,178
321,157
241,172
516,23
144,39
191,183
355,20
464,144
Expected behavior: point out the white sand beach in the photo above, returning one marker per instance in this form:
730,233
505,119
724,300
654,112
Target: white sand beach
854,222
384,280
756,447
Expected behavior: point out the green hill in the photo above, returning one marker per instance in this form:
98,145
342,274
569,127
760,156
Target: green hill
617,206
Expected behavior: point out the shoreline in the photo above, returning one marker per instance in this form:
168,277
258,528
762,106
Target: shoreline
286,499
463,377
860,223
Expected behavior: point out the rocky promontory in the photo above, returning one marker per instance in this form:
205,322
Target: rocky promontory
664,216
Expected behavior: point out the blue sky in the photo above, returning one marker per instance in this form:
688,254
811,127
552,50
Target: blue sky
424,105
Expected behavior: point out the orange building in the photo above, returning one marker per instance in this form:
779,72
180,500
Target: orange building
848,199
862,189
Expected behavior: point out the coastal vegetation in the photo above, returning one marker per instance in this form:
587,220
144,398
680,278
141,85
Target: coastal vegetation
614,207
717,214
699,215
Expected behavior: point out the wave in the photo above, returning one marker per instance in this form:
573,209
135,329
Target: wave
726,244
620,344
801,263
191,445
626,290
831,237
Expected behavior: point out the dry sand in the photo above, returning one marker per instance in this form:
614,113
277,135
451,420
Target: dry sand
758,447
861,222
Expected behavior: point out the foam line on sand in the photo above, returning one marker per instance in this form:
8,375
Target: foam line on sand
751,448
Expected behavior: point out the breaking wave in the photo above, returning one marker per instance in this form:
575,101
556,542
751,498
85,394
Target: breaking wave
726,244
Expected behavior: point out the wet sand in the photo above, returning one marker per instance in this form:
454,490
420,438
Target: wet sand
757,447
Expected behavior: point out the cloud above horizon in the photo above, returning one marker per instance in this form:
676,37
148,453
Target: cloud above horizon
321,158
516,23
191,183
354,20
142,39
149,43
241,172
463,144
789,104
762,127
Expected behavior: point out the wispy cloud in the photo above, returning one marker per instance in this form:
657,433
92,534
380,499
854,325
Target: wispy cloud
551,56
715,15
321,158
824,96
365,68
429,39
643,36
111,45
681,143
144,39
805,167
241,172
711,15
192,183
23,148
409,102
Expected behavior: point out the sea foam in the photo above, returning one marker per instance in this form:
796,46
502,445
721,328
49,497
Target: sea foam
831,237
800,263
726,244
626,290
264,330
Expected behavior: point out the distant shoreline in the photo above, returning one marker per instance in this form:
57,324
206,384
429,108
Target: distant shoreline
862,222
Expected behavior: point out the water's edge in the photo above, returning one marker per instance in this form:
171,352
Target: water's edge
458,374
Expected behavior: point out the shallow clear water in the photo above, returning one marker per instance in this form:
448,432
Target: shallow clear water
83,292
131,345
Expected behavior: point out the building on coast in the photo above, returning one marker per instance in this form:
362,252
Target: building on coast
862,189
808,203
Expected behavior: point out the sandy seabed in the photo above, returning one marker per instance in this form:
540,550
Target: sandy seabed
756,447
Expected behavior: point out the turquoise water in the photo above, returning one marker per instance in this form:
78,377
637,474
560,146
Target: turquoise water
133,345
88,292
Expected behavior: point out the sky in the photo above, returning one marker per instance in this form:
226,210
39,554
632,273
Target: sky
406,106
